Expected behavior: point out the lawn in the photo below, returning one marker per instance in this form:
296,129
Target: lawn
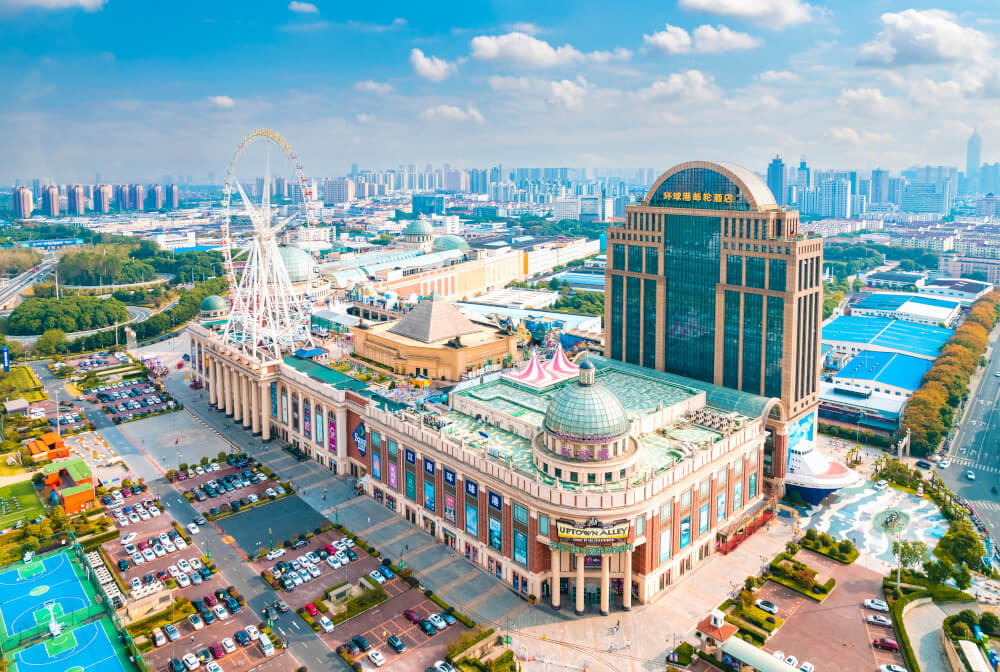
21,382
24,493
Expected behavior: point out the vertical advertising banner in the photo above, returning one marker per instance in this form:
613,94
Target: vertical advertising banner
449,507
6,359
429,502
306,419
274,400
393,476
472,520
361,439
318,414
284,406
376,465
332,431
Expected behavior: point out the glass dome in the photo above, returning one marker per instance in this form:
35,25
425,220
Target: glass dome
297,262
585,412
450,243
211,304
419,227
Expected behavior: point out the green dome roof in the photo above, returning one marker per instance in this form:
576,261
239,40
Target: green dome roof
211,304
450,243
297,261
586,412
419,227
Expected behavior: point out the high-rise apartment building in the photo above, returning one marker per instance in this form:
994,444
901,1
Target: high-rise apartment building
50,201
154,199
23,204
173,197
973,150
102,198
804,177
709,279
137,196
880,187
835,198
123,196
776,179
339,190
76,201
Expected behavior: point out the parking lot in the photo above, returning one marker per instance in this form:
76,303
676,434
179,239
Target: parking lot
66,416
229,485
98,361
128,400
833,634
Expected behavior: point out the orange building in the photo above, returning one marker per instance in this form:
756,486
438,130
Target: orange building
49,446
73,482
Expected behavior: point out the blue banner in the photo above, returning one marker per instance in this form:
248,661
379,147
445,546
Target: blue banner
6,359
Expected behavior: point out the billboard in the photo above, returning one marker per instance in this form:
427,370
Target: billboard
593,534
801,436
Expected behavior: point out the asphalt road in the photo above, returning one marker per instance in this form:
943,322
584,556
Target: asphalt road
976,447
303,643
17,285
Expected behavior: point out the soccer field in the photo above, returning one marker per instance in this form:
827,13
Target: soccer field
18,501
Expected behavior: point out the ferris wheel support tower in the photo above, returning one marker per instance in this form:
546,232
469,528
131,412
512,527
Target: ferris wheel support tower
266,316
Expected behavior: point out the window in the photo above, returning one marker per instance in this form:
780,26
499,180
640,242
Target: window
705,489
753,308
773,345
652,260
685,499
665,542
376,440
666,511
411,486
496,533
720,507
640,525
543,524
731,345
755,272
734,269
573,476
520,513
591,478
737,495
738,467
776,277
633,319
558,472
618,257
472,520
521,548
703,519
617,302
649,324
722,477
635,259
685,532
752,485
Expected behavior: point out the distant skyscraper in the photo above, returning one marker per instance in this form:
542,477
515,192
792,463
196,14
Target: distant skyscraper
123,197
776,180
835,198
155,198
173,197
805,177
50,201
22,202
137,197
339,190
76,201
102,198
972,154
880,186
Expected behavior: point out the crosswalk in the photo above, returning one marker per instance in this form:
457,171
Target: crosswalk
984,505
966,462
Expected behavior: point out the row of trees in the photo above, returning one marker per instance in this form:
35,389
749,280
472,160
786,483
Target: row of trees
69,313
929,413
588,303
103,265
17,260
842,259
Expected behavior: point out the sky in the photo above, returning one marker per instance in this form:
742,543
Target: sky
134,91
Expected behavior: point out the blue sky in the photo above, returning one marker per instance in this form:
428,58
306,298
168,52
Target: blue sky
137,90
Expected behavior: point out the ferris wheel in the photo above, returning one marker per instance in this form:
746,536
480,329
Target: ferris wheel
266,315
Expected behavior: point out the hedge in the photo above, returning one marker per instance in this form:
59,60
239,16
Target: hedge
465,641
831,551
244,507
363,602
177,611
90,543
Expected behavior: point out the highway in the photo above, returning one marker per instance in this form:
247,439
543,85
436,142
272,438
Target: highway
18,284
976,447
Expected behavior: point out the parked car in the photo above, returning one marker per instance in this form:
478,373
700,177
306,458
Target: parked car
437,621
879,619
396,644
427,627
877,605
765,605
411,616
886,644
361,642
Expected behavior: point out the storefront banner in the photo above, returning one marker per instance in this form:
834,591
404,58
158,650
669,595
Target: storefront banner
284,406
496,533
449,476
471,488
449,507
332,428
319,424
274,400
521,548
429,502
360,439
393,476
429,466
376,466
685,531
472,520
593,535
306,420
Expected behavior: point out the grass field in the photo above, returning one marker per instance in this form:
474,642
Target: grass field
21,382
30,506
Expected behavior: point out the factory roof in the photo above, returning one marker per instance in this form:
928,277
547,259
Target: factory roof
960,284
887,405
889,368
905,337
886,301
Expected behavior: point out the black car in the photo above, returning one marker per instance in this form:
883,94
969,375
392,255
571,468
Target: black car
427,627
241,637
205,572
361,642
396,644
301,543
214,511
352,648
351,555
197,604
176,665
122,565
923,464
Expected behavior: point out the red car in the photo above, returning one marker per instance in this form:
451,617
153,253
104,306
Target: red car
330,548
210,600
411,615
162,575
217,651
311,609
886,643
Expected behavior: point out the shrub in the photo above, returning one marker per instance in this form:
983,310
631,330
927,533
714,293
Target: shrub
826,539
989,622
811,534
845,546
961,630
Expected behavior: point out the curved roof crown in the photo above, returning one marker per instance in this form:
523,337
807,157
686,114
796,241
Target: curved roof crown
212,303
753,189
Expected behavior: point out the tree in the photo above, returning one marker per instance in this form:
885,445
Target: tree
961,630
989,622
910,553
51,342
31,543
961,544
963,579
938,572
845,546
792,548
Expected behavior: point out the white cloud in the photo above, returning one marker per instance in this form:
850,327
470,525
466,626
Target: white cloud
568,93
431,67
222,102
617,54
689,85
86,5
868,102
518,48
709,40
849,136
769,13
919,37
501,83
672,40
372,86
364,118
777,77
303,7
524,27
365,27
704,39
451,113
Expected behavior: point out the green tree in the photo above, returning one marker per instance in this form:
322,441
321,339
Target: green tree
910,553
963,579
52,341
989,622
961,544
938,572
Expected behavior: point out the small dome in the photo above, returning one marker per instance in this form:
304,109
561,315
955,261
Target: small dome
450,243
297,262
586,412
212,304
585,363
419,227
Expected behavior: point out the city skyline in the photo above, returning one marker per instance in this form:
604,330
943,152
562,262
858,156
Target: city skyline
520,85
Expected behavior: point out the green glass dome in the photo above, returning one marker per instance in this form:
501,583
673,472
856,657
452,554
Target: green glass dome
212,304
297,262
450,243
419,227
586,412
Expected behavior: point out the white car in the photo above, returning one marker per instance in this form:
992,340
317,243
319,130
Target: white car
767,606
144,515
877,605
807,667
347,542
305,575
148,554
184,565
183,581
313,571
376,576
792,660
135,583
779,654
180,543
153,511
169,547
252,498
134,517
123,521
199,471
312,557
378,660
163,536
159,550
252,631
214,466
220,612
195,563
970,474
342,557
212,666
437,621
441,666
275,554
228,645
137,559
191,661
326,624
296,579
270,492
173,571
891,667
879,619
944,464
192,528
881,485
333,562
128,538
